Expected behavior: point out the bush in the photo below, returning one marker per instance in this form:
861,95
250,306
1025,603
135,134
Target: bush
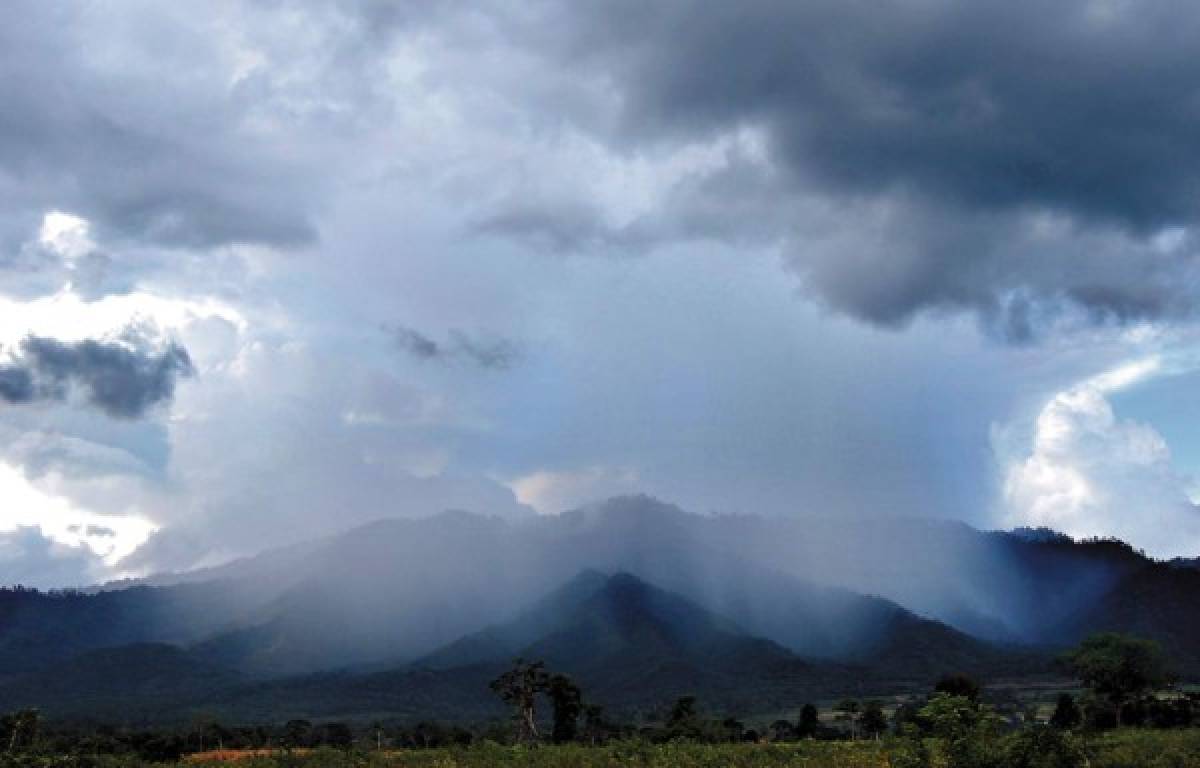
1043,747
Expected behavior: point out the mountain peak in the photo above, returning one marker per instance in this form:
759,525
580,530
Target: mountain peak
632,511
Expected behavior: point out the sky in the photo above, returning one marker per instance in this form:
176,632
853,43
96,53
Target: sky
272,270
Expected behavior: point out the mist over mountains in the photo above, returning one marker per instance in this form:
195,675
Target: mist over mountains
637,599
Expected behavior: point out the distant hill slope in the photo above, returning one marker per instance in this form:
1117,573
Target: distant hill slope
1158,602
632,646
40,629
585,617
898,598
141,682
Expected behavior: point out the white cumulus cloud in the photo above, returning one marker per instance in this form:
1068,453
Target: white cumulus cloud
1089,472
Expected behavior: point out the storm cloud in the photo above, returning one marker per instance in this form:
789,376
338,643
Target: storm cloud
123,378
85,128
1010,159
749,257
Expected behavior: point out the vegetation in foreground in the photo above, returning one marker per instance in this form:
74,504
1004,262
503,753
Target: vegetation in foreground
1129,718
1126,748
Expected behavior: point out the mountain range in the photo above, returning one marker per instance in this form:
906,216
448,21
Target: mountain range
637,600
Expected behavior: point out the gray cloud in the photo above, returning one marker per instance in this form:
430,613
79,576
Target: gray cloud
87,129
92,530
30,558
1024,165
123,379
1004,158
490,353
974,103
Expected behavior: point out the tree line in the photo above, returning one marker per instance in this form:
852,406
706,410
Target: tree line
1124,680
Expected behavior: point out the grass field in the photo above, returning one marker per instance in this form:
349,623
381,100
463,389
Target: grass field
1123,749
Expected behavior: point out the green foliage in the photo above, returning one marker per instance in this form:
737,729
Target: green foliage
296,732
1043,747
1034,747
683,723
519,688
1066,712
1145,749
1119,668
872,721
567,700
18,730
809,723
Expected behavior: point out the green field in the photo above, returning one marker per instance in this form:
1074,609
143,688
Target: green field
1125,749
1131,748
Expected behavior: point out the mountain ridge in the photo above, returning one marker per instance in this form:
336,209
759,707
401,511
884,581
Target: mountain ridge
895,600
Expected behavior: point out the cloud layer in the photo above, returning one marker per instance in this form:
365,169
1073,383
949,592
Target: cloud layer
764,257
1004,158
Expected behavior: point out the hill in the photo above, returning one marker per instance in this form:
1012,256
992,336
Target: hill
137,683
897,601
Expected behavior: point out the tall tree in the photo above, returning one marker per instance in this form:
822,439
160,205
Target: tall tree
872,720
684,721
594,727
847,712
1119,668
519,688
567,700
809,722
21,728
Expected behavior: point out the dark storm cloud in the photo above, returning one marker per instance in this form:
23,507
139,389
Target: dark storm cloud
941,136
123,380
495,354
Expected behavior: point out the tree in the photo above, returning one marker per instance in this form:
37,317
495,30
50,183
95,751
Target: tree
519,687
847,710
1066,713
734,729
567,700
968,730
595,729
336,735
295,733
208,730
1119,668
782,730
872,720
958,685
20,728
683,722
809,722
1041,747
